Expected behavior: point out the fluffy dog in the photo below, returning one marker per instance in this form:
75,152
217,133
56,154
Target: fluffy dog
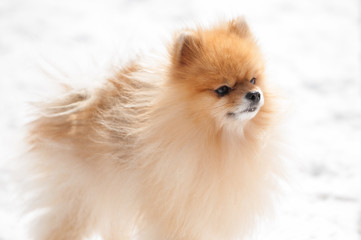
183,150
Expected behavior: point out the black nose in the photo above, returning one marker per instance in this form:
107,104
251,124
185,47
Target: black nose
253,96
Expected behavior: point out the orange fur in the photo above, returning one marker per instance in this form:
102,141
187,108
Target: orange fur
152,152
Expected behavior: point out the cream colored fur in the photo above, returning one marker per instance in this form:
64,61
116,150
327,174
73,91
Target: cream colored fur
144,157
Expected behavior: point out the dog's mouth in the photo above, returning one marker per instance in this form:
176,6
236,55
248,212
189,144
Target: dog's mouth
248,110
237,114
251,109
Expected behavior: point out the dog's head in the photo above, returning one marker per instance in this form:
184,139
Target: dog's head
221,73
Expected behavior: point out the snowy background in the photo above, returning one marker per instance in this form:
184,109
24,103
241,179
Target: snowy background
313,52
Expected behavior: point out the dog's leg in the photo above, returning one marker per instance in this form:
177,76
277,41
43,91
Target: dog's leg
117,234
68,221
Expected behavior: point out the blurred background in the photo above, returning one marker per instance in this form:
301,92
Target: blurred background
313,53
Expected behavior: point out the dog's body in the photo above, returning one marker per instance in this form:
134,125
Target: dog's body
181,151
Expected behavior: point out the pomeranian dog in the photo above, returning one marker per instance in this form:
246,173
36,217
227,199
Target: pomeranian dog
183,150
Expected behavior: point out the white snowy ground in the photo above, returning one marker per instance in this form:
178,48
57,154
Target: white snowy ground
313,50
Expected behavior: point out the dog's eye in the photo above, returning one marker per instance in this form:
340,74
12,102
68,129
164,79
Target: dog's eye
222,91
253,81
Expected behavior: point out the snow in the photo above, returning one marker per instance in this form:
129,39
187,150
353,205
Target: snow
313,52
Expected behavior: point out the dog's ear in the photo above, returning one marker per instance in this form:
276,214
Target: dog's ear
240,27
186,48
